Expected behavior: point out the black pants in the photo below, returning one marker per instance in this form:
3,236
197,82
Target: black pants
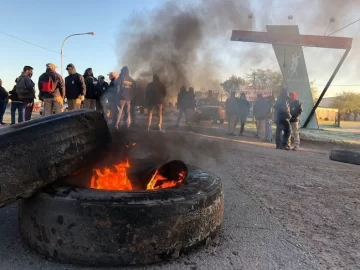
283,125
242,121
28,106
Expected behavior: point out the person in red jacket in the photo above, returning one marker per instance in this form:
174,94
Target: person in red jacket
52,90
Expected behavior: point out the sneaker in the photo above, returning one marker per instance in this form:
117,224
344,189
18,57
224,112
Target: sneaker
2,123
287,148
295,148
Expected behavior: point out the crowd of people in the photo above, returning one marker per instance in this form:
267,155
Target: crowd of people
117,101
285,112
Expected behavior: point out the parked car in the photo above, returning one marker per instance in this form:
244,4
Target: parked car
63,109
209,109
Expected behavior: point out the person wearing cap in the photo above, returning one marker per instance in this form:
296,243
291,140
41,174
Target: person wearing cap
75,88
125,88
282,118
25,88
52,90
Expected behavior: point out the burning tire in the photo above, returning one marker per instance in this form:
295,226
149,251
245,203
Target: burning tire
109,228
346,156
38,152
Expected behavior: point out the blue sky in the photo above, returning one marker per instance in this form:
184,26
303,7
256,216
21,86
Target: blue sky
47,23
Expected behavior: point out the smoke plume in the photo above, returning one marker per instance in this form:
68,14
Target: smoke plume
189,44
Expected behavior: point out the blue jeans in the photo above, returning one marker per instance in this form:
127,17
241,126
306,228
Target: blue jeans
3,104
268,130
20,107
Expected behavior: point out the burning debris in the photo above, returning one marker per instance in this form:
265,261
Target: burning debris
115,177
123,175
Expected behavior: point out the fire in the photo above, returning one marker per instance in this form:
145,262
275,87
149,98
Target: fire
158,181
113,178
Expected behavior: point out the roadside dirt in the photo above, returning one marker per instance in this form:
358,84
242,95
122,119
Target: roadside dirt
315,199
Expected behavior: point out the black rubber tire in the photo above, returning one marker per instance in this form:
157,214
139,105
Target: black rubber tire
105,228
38,152
346,156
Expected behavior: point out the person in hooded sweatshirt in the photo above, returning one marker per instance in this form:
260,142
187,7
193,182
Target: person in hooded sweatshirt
231,109
282,118
296,109
52,90
244,110
92,94
155,94
75,88
125,88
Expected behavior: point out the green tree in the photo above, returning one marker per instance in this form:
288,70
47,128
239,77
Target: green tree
347,103
272,80
232,84
314,91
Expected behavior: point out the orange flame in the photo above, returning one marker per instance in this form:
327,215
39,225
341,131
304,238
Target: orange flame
113,178
158,181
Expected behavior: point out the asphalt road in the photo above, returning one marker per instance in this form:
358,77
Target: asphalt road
251,238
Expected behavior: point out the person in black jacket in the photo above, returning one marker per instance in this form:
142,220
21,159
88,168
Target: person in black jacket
295,109
282,117
25,88
16,104
243,112
52,90
4,98
102,88
91,90
154,98
75,88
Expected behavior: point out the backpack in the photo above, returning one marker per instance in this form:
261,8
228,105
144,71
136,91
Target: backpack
20,87
47,84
